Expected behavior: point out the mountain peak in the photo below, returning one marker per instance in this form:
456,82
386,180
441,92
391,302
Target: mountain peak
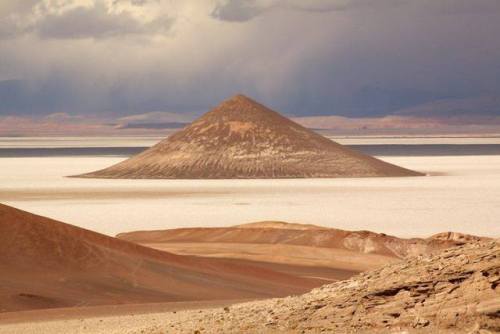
241,138
240,106
240,98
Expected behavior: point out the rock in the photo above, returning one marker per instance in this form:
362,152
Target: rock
407,297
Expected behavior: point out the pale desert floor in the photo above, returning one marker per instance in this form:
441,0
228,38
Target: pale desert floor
119,319
462,194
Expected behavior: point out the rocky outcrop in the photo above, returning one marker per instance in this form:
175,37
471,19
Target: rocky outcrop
244,139
454,291
459,238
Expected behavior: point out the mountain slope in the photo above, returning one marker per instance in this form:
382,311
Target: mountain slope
296,249
244,139
45,263
454,291
282,233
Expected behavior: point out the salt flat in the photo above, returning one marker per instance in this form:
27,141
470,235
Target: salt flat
146,141
461,194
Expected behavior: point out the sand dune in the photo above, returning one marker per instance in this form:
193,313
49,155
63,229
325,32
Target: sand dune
45,263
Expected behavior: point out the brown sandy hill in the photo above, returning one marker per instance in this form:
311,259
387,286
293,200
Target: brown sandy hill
298,249
453,291
270,232
45,263
244,139
280,224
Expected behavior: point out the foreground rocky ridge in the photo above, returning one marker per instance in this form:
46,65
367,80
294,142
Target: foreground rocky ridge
454,291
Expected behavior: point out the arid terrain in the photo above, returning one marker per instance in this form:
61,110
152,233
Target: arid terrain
78,267
46,264
90,283
452,291
242,139
249,166
298,249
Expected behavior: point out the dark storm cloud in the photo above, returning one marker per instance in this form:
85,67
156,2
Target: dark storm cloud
21,97
348,57
237,10
244,10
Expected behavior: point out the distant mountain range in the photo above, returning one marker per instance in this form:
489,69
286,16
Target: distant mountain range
154,125
449,115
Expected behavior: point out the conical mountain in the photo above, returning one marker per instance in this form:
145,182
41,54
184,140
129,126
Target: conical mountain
241,138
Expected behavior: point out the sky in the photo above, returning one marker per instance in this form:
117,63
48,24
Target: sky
354,58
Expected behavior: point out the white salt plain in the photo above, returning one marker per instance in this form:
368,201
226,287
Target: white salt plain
143,141
462,194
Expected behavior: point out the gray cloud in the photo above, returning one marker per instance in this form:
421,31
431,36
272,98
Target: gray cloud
245,10
22,97
353,58
97,22
13,18
16,7
10,28
238,10
135,2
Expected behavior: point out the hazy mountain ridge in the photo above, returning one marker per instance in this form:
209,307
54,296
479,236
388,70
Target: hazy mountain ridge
452,115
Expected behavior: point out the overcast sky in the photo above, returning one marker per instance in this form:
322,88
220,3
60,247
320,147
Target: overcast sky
314,57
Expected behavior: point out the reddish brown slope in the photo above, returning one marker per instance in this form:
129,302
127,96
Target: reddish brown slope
45,263
295,249
302,235
244,139
456,291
